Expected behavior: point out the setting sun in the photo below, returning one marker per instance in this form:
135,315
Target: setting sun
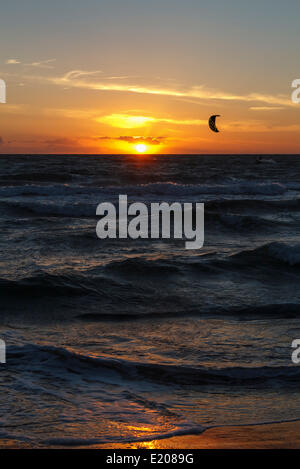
141,148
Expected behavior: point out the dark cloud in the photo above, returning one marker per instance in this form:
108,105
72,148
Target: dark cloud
136,140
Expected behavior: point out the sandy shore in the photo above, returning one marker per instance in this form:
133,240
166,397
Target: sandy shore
283,435
269,436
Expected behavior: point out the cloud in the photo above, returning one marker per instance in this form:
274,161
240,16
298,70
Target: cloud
124,77
136,139
129,121
125,121
42,64
96,80
76,74
1,141
39,64
90,80
13,109
72,113
266,108
12,62
257,126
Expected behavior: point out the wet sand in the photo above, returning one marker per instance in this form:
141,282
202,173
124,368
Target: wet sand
283,435
268,436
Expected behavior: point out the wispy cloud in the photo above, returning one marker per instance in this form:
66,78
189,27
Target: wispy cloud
75,75
125,121
38,64
128,121
13,109
132,121
266,108
257,126
136,139
12,62
72,113
42,63
92,81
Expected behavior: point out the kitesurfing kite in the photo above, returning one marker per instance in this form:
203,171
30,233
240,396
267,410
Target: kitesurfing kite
212,123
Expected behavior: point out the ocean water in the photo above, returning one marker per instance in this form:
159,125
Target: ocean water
123,340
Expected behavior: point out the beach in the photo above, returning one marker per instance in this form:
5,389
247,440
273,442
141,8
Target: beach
273,436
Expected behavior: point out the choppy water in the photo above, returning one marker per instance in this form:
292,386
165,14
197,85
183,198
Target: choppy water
121,340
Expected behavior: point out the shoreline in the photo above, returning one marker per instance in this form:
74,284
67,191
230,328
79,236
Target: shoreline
285,435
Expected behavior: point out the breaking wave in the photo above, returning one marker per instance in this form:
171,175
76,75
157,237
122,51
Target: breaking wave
279,252
59,357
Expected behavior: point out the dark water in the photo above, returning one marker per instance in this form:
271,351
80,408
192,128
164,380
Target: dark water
118,340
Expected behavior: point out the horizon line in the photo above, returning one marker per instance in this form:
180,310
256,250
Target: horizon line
149,154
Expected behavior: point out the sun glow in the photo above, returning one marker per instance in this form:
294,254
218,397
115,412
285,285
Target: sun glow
141,148
125,121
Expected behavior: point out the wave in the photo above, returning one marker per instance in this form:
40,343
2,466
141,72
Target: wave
157,315
57,357
279,252
38,177
274,310
285,310
120,290
180,430
292,204
239,187
139,266
240,222
72,209
230,188
85,208
71,200
45,284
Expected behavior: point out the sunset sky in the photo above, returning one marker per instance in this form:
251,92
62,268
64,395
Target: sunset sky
107,76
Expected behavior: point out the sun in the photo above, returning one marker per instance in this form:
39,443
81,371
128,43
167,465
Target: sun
141,148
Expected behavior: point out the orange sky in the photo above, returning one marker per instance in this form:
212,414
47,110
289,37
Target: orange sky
104,78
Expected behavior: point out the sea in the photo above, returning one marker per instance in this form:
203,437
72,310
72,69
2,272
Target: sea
122,340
